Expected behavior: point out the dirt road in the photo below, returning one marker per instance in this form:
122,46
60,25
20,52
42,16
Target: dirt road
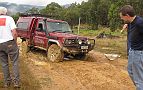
100,74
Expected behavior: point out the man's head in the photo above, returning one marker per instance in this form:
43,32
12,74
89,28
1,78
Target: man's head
3,11
127,13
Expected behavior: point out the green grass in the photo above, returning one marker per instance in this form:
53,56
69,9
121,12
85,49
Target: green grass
117,46
107,45
93,33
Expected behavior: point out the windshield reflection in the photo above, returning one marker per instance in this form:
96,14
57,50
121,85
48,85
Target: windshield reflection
58,27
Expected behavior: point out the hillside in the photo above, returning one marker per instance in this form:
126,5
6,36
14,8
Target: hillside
13,8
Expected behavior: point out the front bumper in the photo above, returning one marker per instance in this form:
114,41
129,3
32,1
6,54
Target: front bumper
75,46
83,48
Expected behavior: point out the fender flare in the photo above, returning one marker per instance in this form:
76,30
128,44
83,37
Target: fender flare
55,41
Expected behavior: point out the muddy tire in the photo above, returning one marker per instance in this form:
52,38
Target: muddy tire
55,54
25,48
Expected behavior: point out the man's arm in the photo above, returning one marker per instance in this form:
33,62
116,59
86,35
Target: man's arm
14,34
13,28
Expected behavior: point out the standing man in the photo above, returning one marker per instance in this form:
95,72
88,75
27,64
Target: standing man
8,48
135,44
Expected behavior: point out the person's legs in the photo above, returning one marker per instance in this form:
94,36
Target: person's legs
130,63
138,69
5,68
14,56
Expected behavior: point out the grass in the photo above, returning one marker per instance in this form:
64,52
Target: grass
107,45
117,46
96,32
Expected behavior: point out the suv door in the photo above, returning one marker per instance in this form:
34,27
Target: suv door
40,39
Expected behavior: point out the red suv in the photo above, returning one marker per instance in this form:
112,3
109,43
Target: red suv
54,36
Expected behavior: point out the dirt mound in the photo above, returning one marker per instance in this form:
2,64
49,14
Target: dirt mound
104,35
100,74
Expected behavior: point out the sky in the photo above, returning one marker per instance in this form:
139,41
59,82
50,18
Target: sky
42,2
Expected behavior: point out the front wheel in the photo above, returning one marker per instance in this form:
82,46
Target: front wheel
55,53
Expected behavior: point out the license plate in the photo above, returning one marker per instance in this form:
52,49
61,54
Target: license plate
84,47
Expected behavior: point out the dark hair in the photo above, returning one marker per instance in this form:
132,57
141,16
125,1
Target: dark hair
127,9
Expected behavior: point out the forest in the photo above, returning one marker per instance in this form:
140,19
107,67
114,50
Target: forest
92,14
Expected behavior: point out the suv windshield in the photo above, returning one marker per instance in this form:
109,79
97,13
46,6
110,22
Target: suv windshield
58,27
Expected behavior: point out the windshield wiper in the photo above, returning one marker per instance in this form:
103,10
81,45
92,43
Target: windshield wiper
66,31
56,31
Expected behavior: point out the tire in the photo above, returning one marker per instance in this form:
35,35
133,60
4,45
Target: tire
25,48
55,53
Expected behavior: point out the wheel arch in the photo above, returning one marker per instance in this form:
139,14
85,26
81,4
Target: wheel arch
51,41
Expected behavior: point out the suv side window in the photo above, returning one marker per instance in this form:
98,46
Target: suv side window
22,25
41,26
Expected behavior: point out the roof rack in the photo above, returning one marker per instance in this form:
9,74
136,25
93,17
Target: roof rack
31,14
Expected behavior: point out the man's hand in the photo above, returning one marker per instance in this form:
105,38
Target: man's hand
121,31
124,28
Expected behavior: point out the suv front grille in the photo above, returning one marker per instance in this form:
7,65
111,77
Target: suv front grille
74,42
70,41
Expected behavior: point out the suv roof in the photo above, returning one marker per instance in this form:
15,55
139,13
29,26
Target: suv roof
39,16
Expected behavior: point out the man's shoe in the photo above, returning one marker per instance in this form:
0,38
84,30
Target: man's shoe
16,85
6,85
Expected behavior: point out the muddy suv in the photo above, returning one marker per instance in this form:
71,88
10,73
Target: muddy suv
54,36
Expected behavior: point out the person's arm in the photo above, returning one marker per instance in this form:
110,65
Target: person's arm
14,34
13,28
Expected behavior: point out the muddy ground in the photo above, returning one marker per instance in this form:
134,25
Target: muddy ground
97,73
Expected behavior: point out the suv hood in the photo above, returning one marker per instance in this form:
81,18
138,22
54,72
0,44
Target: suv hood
65,35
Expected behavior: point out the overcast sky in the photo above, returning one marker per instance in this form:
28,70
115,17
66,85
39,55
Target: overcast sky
42,2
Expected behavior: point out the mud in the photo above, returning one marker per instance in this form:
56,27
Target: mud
96,73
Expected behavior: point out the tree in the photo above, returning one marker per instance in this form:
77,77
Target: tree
85,12
103,9
113,14
33,10
92,13
15,17
72,14
94,10
53,10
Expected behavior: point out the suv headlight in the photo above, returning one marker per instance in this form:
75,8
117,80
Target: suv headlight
88,42
79,41
68,41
